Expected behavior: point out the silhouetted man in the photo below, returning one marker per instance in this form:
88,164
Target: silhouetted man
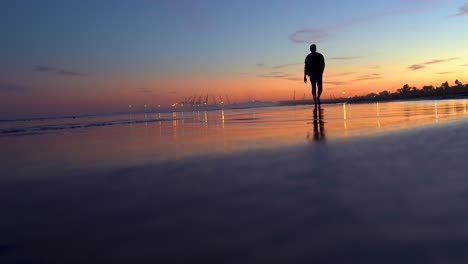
314,67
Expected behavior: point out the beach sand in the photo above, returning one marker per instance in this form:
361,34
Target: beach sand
394,198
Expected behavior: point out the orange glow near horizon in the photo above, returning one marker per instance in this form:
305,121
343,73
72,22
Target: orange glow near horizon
115,94
248,87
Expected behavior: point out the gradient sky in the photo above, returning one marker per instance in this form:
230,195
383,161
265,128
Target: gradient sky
79,57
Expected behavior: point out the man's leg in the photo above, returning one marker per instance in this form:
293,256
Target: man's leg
314,89
320,87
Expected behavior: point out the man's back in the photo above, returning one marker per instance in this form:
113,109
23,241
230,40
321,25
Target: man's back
314,63
314,67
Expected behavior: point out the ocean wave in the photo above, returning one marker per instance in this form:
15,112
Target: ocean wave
49,127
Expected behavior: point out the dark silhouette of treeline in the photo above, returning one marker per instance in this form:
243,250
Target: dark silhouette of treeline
444,91
408,92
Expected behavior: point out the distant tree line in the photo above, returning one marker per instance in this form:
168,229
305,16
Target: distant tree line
444,91
427,91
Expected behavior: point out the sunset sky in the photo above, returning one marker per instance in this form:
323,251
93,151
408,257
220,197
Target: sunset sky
82,57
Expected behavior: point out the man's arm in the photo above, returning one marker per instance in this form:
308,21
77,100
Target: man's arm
305,72
323,64
305,75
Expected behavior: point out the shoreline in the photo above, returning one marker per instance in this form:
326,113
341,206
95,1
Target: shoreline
240,106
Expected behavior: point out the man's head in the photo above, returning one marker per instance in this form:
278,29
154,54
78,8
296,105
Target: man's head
313,48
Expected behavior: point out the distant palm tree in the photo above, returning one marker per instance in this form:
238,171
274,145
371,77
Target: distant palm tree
445,85
384,94
404,90
428,88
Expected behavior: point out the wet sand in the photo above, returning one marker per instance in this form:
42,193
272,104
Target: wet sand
394,198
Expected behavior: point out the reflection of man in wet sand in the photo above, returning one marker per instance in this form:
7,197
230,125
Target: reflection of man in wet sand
314,67
319,126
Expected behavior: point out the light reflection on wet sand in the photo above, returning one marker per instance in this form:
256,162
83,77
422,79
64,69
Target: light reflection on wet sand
225,131
279,126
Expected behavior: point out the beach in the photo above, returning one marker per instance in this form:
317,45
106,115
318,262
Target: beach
390,188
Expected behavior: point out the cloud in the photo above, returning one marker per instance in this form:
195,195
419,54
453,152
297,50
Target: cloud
447,72
12,87
335,83
439,61
314,35
260,65
69,73
435,61
308,35
462,10
286,65
341,74
40,68
416,67
57,71
276,74
280,75
368,77
294,79
345,58
464,65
